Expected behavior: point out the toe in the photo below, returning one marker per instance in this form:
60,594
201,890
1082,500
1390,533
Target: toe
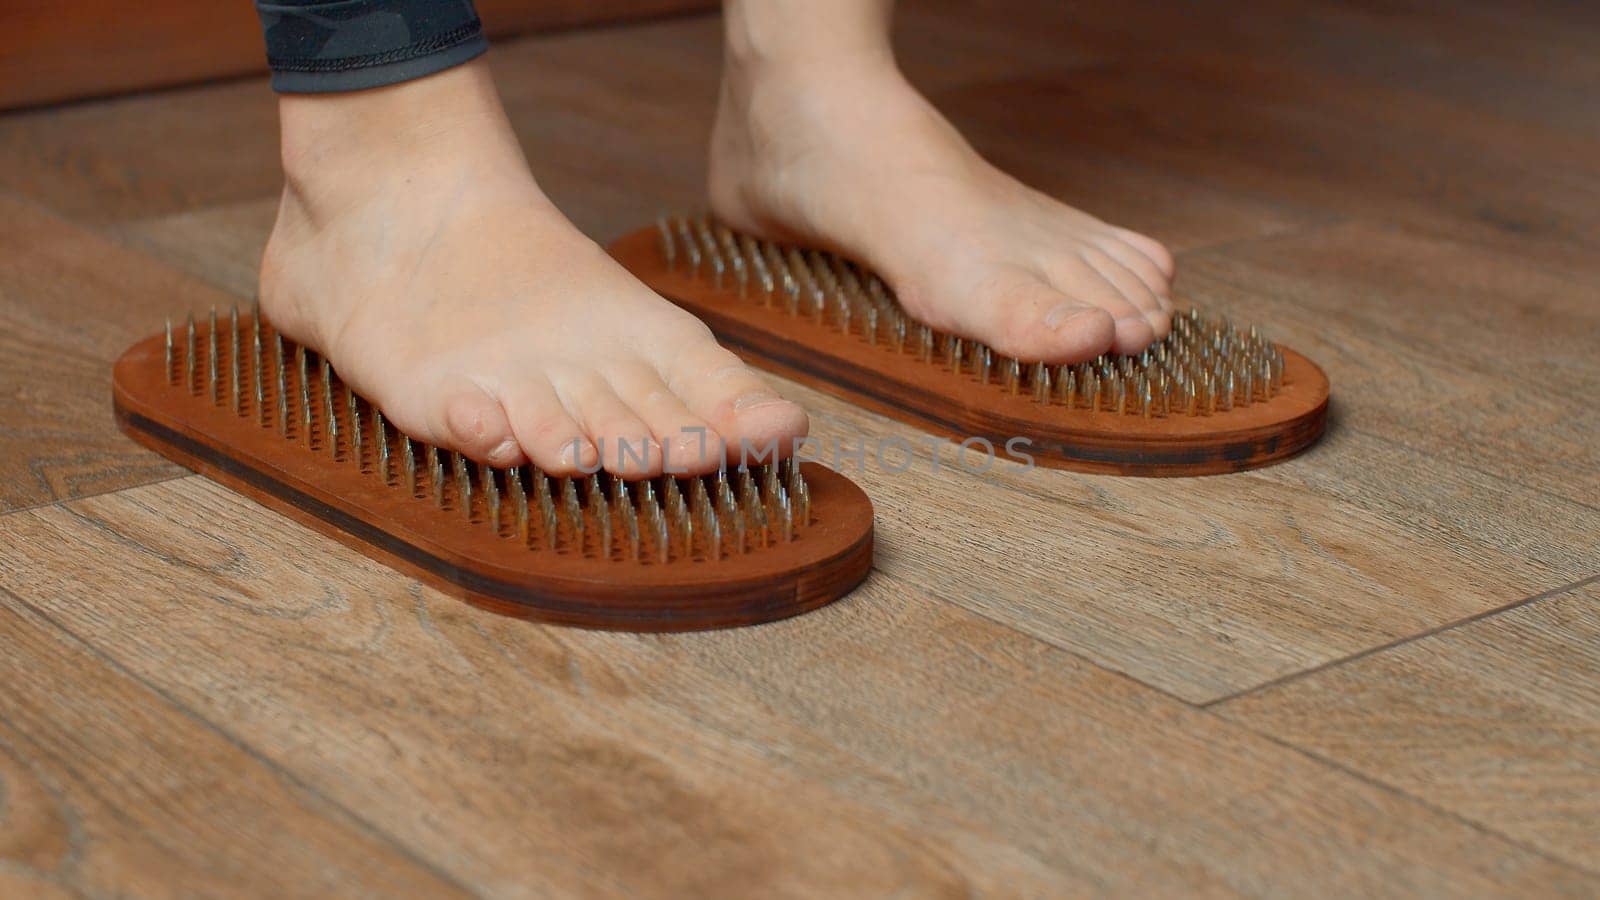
1132,288
1028,318
625,443
1151,249
1077,277
475,424
1079,331
1160,323
1141,266
689,445
763,427
1129,285
1133,336
721,390
547,433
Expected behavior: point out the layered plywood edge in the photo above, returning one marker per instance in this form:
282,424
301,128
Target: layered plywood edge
1209,398
235,401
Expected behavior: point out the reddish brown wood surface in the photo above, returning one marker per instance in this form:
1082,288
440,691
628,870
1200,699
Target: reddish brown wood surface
339,491
68,49
960,407
1395,632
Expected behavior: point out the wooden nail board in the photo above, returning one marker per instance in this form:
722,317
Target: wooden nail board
234,401
1209,398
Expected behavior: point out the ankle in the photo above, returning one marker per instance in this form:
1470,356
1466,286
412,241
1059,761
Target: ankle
335,147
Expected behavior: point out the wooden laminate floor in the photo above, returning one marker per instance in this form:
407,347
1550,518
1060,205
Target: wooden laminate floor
1372,670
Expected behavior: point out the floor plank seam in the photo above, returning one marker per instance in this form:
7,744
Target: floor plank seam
1207,708
404,850
1399,642
1381,785
1039,639
1299,182
61,501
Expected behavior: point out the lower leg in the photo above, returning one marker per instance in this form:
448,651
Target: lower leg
794,32
819,138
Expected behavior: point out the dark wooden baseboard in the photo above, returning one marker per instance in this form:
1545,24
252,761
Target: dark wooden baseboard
54,50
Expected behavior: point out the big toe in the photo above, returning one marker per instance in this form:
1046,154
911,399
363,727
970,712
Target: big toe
1026,318
753,420
761,423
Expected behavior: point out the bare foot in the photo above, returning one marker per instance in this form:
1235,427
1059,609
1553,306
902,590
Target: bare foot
415,251
829,145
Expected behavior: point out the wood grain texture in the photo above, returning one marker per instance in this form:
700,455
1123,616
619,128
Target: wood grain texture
69,303
112,789
1483,358
1406,197
220,245
616,145
521,760
1497,721
884,743
1266,127
1204,587
612,143
1359,544
109,161
1371,538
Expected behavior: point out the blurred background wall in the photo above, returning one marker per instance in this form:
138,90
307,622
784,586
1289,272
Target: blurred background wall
53,50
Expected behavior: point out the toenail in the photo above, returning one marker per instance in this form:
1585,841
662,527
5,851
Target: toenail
752,401
506,450
1062,313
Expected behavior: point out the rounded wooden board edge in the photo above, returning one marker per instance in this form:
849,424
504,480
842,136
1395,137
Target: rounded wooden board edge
903,389
783,593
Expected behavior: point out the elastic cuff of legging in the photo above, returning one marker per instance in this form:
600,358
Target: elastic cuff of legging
315,46
373,75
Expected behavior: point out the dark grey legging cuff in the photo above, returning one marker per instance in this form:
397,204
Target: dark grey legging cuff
318,46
